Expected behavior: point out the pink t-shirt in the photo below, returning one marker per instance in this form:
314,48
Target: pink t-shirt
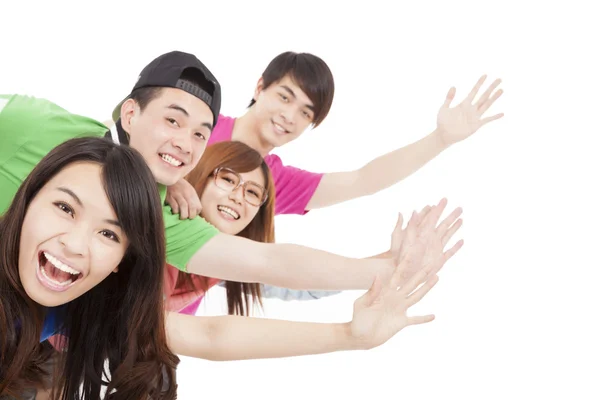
184,301
294,188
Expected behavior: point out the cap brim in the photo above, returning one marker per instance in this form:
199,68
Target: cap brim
117,111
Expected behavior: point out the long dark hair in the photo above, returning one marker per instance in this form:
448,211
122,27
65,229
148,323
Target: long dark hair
241,158
121,320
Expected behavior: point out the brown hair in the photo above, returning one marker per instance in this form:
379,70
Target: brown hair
240,158
121,319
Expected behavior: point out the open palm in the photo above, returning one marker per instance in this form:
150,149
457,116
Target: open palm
460,122
430,234
382,312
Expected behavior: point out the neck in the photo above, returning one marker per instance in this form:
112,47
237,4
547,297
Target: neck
247,130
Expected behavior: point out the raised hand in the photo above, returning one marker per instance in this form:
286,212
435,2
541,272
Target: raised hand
382,311
459,122
427,234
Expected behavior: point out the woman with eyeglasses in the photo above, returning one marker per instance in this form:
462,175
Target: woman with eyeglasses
238,197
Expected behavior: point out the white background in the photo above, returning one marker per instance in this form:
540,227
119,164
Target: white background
517,308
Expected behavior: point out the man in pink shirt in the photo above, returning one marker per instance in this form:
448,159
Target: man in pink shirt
294,93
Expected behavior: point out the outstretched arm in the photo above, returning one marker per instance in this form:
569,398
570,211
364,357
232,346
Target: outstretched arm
453,125
378,315
293,266
274,292
233,337
284,265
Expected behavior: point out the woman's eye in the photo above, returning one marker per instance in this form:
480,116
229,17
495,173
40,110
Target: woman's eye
110,235
172,121
64,207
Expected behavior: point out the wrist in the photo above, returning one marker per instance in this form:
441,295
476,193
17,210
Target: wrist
348,341
438,141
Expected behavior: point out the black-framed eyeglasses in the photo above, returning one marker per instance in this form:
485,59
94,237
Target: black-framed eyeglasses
229,180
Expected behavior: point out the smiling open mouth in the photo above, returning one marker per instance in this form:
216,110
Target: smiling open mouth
280,129
54,274
172,161
228,212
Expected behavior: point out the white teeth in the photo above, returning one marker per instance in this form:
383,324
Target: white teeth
229,211
280,128
65,283
174,162
58,264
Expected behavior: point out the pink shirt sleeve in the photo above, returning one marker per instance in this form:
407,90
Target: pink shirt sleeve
179,300
294,187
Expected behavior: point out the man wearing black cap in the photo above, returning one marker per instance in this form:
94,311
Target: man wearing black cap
182,99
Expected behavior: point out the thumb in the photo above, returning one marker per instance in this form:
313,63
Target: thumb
400,220
397,234
449,97
374,291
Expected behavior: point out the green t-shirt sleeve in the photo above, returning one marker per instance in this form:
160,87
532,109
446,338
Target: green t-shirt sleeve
185,237
29,129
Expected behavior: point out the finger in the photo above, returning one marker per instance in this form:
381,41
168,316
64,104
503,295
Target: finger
414,219
484,107
412,224
453,229
374,291
449,97
434,215
413,282
174,205
422,291
424,212
475,89
195,209
492,118
436,266
486,95
409,235
192,195
399,223
401,276
183,208
422,319
453,250
397,234
450,219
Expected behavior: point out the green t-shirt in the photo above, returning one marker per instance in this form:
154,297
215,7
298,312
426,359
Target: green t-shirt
30,128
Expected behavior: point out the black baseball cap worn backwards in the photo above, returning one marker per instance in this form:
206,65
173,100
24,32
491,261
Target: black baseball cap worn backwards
175,70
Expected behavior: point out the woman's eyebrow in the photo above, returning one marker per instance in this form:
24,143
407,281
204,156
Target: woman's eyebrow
78,201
